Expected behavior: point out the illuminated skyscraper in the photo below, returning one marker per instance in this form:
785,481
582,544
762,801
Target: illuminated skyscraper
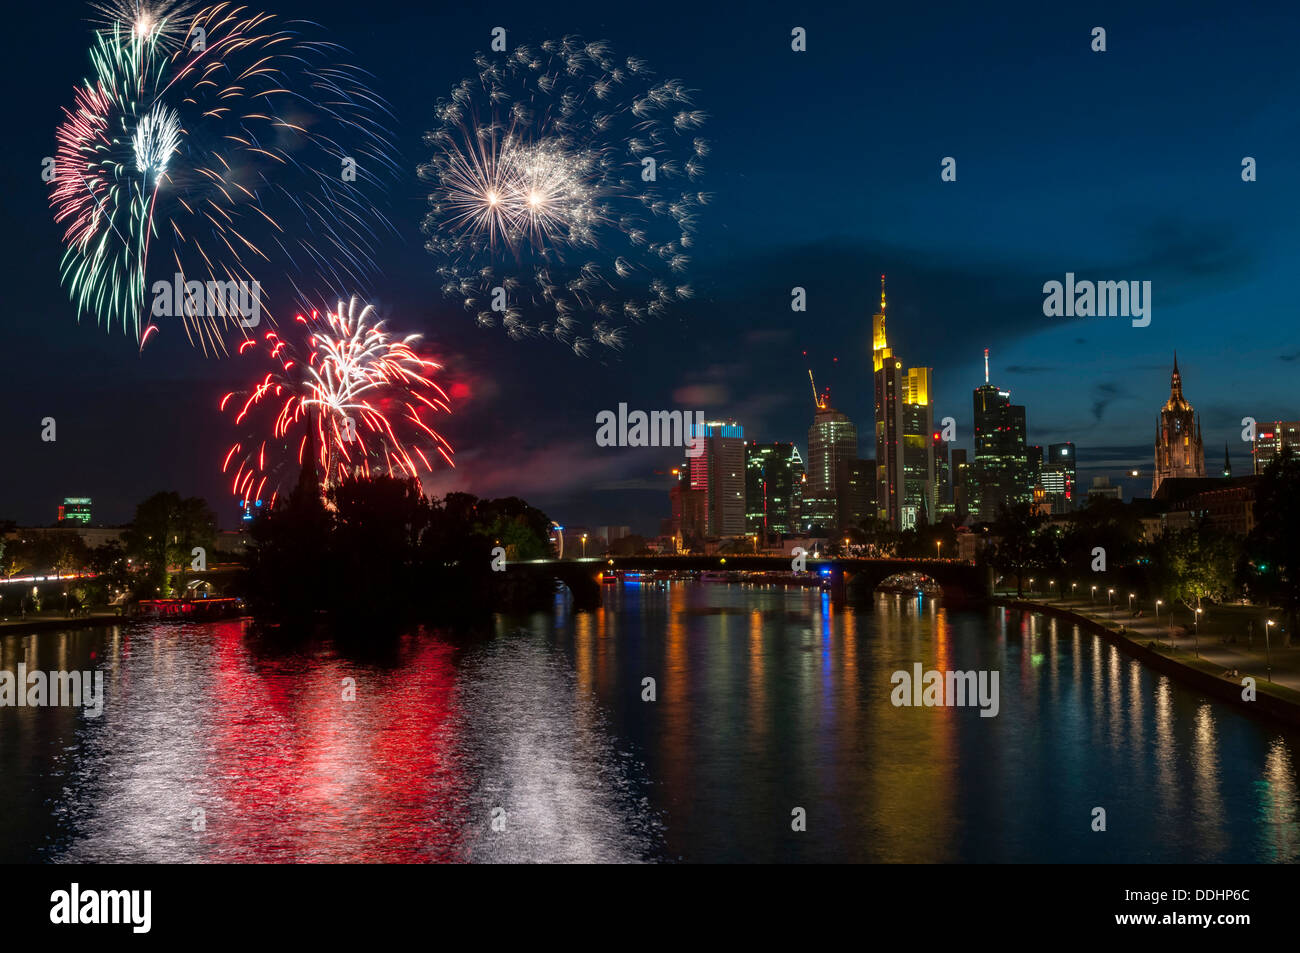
719,472
1179,451
1001,474
905,471
773,485
831,438
1057,477
1273,439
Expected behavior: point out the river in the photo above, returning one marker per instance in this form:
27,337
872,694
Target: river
534,742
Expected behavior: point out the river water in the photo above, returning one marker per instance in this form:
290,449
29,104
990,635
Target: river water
533,742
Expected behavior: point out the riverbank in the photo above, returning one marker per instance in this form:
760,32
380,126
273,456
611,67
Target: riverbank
1205,661
56,621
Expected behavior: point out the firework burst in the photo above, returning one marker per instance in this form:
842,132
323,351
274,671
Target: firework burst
214,145
344,384
564,193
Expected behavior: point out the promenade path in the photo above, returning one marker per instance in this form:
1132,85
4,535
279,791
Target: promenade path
1227,636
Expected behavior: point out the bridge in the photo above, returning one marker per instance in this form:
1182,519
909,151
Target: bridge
851,579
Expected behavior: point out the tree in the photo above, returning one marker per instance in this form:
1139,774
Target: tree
164,534
1195,564
1014,528
1272,551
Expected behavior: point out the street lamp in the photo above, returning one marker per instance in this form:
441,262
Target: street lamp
1159,603
938,544
1110,600
1073,586
1050,584
1130,601
1268,659
1196,632
584,545
1094,595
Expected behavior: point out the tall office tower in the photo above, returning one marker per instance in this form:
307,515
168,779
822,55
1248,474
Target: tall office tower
855,487
689,507
905,474
1273,439
719,471
918,503
1179,451
1035,466
1001,470
773,474
943,503
831,438
1057,477
960,484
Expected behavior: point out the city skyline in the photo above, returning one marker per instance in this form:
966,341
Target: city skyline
967,261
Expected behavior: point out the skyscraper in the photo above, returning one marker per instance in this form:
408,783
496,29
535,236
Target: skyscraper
855,491
719,471
1057,477
831,438
1273,439
1178,450
905,474
773,484
960,483
1001,473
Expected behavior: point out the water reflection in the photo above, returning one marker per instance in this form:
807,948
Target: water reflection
540,741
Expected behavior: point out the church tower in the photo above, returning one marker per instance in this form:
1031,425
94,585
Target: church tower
1179,451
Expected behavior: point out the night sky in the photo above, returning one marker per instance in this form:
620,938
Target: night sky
825,165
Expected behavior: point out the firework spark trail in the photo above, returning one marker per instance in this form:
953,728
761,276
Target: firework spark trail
366,393
564,177
221,135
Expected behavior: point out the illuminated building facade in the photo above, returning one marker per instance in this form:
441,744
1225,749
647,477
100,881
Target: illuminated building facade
831,438
855,492
1274,439
773,488
1056,475
75,509
905,470
719,473
1001,474
1179,451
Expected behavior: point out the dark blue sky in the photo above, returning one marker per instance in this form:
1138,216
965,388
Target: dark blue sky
825,171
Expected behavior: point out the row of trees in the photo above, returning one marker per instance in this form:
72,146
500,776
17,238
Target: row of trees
151,561
378,553
1188,566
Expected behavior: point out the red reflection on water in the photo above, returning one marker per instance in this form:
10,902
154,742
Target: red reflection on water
300,774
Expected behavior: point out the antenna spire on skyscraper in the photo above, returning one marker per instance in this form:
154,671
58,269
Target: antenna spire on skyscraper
986,365
882,294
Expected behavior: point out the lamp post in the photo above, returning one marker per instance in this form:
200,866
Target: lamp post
1110,600
1196,632
1130,602
584,545
1159,603
938,545
1050,584
1094,595
1268,658
1073,586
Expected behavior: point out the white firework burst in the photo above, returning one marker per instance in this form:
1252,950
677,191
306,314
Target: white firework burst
563,176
